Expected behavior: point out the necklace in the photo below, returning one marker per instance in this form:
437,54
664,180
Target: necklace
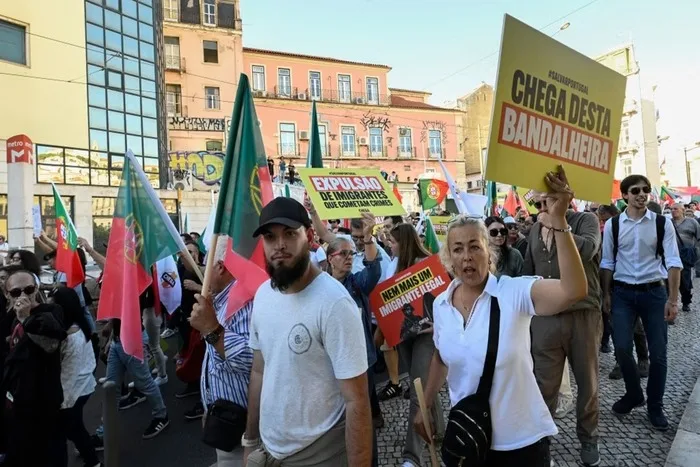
467,310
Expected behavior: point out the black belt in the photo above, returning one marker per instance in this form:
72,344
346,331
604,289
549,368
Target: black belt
640,287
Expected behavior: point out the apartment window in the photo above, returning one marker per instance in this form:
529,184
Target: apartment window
173,99
288,139
172,53
376,142
258,78
405,142
435,142
627,167
284,82
211,52
14,46
213,98
213,145
347,134
373,90
171,10
624,134
469,185
344,88
315,84
323,138
210,12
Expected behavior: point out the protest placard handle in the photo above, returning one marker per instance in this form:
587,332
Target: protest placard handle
210,265
426,420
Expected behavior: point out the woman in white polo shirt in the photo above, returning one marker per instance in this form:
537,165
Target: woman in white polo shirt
521,423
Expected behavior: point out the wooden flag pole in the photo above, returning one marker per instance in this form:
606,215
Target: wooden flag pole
210,265
185,255
426,420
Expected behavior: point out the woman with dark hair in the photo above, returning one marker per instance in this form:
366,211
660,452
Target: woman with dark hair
26,259
417,351
77,380
509,261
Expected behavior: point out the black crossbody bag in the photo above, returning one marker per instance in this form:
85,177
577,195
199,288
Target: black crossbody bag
469,430
225,422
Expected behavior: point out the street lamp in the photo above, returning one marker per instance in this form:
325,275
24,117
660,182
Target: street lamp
561,28
686,150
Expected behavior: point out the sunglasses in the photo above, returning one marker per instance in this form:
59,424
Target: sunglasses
28,290
344,253
512,226
495,232
539,204
635,190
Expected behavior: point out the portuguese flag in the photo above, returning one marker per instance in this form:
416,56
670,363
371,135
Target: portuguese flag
397,193
142,234
315,156
432,192
245,188
67,259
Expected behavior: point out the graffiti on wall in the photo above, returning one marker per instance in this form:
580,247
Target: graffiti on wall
206,167
199,124
369,120
434,125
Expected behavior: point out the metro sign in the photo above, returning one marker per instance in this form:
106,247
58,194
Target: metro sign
20,149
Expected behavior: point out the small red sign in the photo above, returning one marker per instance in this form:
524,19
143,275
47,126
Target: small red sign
20,149
403,304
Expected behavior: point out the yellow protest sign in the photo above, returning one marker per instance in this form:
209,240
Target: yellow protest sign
440,226
553,106
347,193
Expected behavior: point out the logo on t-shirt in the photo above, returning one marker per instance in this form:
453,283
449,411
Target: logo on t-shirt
299,339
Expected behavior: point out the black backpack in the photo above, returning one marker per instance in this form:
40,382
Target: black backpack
660,232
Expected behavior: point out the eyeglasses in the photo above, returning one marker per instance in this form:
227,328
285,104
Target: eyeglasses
28,290
344,253
495,232
512,226
635,190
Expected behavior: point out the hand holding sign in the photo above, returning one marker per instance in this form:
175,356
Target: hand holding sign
368,223
560,194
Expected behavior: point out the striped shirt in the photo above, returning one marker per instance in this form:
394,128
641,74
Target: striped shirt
228,378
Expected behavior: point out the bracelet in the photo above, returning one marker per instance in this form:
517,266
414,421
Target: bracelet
249,443
672,303
564,230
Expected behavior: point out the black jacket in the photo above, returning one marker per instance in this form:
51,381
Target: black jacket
31,389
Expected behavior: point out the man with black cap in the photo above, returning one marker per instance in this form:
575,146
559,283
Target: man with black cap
306,333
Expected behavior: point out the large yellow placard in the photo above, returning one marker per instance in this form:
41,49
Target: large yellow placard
553,106
347,193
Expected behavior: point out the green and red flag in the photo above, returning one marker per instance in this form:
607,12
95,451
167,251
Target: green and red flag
432,192
397,193
667,195
67,259
315,156
142,234
431,242
246,187
492,199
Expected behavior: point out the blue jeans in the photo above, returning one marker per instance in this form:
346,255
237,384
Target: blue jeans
649,305
119,361
686,288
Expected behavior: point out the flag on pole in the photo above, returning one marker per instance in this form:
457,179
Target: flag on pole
245,188
315,156
431,242
492,195
186,223
667,195
67,259
432,192
205,238
141,235
459,197
397,193
512,202
169,286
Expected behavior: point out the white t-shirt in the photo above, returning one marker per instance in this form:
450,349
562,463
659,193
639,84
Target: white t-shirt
518,412
308,340
318,256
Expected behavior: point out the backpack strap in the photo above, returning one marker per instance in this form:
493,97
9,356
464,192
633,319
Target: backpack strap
615,223
660,233
491,350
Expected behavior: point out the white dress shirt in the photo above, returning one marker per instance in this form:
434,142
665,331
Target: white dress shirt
519,414
384,259
636,261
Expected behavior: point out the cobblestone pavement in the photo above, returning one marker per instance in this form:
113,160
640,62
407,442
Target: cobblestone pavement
623,442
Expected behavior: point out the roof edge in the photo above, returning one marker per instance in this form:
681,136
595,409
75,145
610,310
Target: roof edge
312,57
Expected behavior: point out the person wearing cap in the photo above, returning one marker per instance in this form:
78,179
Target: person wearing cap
574,334
515,239
309,346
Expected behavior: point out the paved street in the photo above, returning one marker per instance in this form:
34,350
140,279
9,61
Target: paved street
628,442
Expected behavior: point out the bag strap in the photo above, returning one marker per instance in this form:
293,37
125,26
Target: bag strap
491,350
615,224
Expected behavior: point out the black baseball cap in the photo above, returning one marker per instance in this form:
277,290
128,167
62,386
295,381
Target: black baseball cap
283,211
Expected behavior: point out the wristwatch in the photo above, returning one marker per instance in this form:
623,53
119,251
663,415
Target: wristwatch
213,337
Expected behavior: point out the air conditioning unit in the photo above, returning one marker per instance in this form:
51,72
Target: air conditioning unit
303,135
359,100
404,131
258,93
363,141
301,96
180,180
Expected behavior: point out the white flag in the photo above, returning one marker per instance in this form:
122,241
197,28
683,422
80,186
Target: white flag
169,287
205,238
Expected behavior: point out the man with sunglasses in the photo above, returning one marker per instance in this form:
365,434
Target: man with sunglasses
634,279
573,335
515,239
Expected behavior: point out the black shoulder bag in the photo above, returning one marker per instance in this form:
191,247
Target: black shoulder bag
225,421
469,431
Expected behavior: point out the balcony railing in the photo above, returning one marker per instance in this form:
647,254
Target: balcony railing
435,153
326,95
174,63
406,153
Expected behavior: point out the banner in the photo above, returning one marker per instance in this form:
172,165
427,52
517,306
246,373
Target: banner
553,106
403,304
440,226
347,193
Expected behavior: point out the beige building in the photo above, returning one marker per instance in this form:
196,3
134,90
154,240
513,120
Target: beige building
476,121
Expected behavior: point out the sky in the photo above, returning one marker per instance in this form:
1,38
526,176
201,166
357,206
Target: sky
448,47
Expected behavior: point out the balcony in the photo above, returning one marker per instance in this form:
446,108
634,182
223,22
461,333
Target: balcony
434,153
325,95
406,152
175,63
